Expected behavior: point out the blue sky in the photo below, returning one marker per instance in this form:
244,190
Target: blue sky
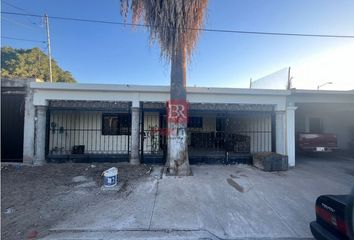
99,53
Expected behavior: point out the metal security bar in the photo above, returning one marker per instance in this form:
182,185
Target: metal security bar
88,135
221,137
246,133
213,137
153,127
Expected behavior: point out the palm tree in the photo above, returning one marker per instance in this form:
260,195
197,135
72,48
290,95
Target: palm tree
174,25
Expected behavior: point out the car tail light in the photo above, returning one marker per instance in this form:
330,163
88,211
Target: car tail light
332,220
324,214
342,227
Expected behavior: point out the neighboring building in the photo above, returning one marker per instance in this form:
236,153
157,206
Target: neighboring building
326,112
16,103
94,122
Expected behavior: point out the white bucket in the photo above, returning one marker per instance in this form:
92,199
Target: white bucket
110,177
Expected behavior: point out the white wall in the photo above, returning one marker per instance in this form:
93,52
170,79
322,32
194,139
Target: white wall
88,132
276,80
257,127
339,124
209,124
87,126
135,94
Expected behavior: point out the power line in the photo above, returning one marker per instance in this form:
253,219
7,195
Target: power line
16,7
21,9
192,29
18,23
23,39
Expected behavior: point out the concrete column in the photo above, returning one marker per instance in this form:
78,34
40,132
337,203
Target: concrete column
40,131
28,132
280,132
134,154
290,135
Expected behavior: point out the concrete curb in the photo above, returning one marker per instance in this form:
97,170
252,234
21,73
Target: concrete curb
146,234
130,234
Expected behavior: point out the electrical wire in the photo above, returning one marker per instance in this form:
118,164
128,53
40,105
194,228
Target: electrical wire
16,7
18,23
21,9
22,39
192,29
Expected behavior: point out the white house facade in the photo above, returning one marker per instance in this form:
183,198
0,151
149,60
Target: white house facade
95,122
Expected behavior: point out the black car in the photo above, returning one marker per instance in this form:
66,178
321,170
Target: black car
334,218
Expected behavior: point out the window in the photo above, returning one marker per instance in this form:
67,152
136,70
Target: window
315,125
220,124
115,124
195,122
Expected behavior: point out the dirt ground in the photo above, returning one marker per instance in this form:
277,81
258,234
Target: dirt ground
35,198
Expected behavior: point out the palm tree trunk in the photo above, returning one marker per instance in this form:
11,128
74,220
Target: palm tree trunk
177,157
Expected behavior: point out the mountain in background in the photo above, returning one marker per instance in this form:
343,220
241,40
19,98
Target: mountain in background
30,63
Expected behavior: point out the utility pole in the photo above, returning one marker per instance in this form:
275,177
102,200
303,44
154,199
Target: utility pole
48,46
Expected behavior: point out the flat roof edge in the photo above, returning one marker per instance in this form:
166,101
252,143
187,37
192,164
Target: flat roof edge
147,88
324,92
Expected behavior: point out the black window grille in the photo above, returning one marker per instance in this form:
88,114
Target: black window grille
115,124
195,122
220,124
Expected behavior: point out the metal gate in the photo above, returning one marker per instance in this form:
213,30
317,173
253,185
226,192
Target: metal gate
153,134
12,124
214,137
228,138
88,135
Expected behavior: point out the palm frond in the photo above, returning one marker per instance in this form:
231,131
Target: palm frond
172,23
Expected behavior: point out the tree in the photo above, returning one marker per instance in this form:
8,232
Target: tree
173,24
30,63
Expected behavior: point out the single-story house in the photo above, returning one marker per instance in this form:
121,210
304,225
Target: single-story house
97,122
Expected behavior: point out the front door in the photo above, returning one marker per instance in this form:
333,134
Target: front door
12,120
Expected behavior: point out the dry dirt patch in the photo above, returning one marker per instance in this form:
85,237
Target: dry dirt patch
35,198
